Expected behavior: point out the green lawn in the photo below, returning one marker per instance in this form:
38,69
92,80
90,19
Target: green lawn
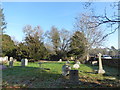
34,77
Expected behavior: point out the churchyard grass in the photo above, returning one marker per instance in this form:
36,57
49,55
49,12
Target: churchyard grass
32,76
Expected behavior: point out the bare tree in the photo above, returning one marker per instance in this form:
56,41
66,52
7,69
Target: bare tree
59,40
111,21
93,35
64,40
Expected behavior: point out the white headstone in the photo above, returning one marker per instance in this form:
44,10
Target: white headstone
94,62
6,58
76,66
60,60
78,62
100,71
11,58
71,58
65,70
24,62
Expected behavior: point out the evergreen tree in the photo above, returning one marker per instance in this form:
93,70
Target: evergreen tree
77,45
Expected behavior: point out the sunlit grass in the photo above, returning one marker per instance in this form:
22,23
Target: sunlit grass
39,78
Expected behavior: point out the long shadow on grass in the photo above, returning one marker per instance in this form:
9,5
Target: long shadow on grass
34,77
111,75
109,71
28,77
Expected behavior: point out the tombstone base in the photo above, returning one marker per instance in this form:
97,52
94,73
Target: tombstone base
101,71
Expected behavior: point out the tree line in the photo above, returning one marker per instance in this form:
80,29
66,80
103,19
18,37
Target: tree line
55,44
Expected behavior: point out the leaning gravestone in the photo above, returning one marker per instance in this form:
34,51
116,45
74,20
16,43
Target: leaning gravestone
65,70
100,71
24,62
76,66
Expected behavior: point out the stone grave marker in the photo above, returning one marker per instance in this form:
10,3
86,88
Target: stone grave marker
94,62
78,62
100,71
11,62
65,70
74,78
76,66
24,62
60,60
67,62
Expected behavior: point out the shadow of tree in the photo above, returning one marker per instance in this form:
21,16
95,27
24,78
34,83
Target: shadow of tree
110,78
34,77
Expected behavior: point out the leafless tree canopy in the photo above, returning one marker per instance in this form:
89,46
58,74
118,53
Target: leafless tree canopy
110,21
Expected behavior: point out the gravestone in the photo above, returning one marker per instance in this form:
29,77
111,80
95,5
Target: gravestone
76,66
67,62
100,71
11,58
94,62
24,62
6,58
72,58
65,70
11,62
77,62
60,60
2,67
74,76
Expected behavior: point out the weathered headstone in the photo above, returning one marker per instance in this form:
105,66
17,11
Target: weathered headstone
11,58
78,62
100,71
24,62
71,58
74,76
10,63
6,58
60,60
76,66
67,62
94,62
65,70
